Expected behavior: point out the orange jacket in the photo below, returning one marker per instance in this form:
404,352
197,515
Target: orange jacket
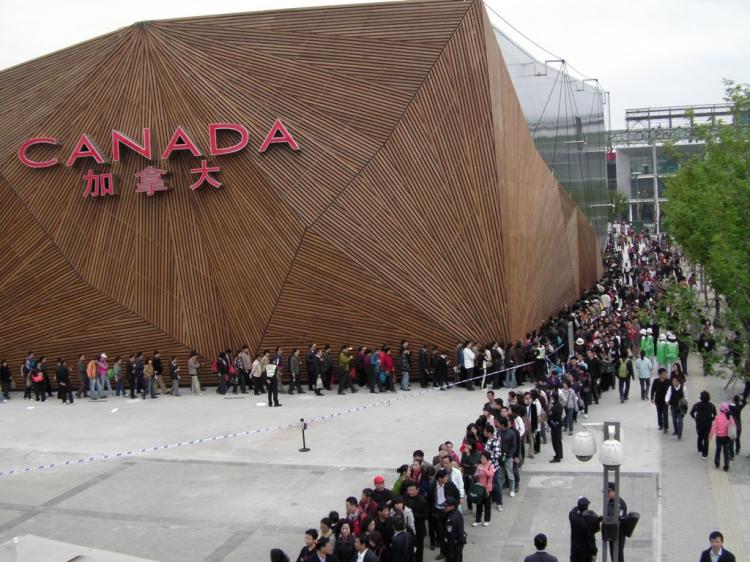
91,369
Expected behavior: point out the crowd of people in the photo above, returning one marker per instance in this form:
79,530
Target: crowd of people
601,344
616,341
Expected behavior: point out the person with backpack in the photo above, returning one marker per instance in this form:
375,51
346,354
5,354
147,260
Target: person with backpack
375,378
273,373
221,368
174,373
624,375
725,431
159,372
703,412
676,398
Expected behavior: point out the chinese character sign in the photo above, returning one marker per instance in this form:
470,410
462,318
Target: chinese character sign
150,181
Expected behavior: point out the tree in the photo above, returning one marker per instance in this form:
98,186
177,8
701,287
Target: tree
618,208
708,208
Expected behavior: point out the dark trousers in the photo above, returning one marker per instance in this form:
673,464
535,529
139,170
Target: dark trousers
722,444
424,378
244,382
662,416
294,384
345,381
484,507
6,389
737,441
39,391
222,388
273,391
556,433
677,419
644,388
140,385
47,385
469,376
311,376
620,548
131,384
703,432
65,394
624,386
420,526
83,386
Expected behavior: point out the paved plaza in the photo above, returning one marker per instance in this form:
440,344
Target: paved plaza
234,499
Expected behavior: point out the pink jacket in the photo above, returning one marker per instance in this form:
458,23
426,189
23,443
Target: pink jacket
101,367
484,476
721,424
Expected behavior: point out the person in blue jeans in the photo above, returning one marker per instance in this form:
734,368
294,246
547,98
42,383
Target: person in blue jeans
569,401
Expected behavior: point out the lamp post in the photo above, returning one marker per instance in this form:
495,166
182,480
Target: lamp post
611,456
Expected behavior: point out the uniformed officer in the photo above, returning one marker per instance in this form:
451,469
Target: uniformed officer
453,534
621,515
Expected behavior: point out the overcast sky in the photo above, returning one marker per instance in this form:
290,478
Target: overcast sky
645,52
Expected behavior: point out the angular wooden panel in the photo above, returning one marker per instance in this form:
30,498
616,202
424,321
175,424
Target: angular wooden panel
417,207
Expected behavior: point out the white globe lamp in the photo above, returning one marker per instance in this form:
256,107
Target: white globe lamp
584,446
611,453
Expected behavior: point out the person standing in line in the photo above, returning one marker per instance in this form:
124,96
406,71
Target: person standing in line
149,375
484,475
723,427
318,373
194,366
139,373
703,412
244,365
117,371
64,387
469,355
102,369
222,370
174,373
644,368
42,366
294,380
541,555
424,369
311,362
555,423
569,400
716,552
659,388
345,370
676,398
308,551
327,370
441,369
159,372
5,380
493,447
256,370
130,371
387,369
402,543
421,510
405,364
91,373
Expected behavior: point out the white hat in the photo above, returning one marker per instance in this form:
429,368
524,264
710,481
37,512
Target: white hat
643,331
579,341
662,337
648,331
103,355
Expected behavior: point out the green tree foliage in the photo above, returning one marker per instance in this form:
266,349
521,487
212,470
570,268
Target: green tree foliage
708,211
618,205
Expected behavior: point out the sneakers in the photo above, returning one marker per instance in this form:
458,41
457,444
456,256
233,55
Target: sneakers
499,507
475,524
512,494
585,416
486,524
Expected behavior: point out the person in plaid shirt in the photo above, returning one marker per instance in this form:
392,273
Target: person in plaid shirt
495,450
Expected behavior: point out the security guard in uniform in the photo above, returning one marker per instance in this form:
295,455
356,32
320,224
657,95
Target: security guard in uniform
622,512
454,537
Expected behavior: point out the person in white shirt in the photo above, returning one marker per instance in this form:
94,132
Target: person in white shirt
470,353
456,476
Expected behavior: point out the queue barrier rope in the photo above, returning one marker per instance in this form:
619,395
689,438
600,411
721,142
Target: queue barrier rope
202,441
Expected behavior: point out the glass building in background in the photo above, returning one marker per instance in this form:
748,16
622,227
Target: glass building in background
566,120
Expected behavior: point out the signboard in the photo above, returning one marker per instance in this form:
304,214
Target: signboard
150,180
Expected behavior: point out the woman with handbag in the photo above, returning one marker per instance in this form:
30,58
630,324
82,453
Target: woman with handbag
725,431
481,491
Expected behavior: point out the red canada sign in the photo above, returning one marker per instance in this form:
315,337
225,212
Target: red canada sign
150,179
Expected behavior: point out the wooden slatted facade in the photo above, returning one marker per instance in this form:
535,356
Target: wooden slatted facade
417,207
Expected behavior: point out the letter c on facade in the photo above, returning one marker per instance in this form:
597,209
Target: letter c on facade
26,161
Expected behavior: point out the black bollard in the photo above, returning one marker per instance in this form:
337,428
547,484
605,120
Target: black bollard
303,426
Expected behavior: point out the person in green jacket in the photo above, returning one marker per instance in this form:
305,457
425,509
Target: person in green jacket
661,352
673,351
647,343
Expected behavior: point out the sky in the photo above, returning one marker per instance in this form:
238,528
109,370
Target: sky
646,53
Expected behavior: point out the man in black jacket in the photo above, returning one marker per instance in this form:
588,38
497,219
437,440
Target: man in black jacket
703,412
556,413
659,390
582,538
311,362
540,542
402,543
442,489
717,549
421,511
